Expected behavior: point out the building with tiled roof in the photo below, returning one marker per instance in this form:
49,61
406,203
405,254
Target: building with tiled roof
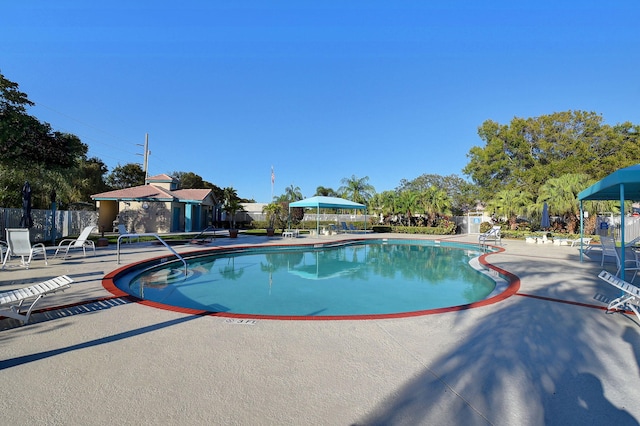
157,207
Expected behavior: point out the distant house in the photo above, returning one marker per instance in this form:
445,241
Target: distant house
251,212
157,207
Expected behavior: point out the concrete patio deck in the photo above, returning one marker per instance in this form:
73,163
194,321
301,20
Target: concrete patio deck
548,355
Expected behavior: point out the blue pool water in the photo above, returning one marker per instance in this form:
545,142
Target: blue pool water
363,278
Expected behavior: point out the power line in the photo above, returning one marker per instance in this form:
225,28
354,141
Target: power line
113,148
86,124
85,138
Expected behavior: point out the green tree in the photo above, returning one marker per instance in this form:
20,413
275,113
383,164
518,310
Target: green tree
408,204
43,182
126,176
31,150
510,203
462,194
435,201
526,152
25,141
358,190
561,196
90,178
278,215
218,193
326,192
274,214
189,180
292,193
383,203
11,98
231,205
290,215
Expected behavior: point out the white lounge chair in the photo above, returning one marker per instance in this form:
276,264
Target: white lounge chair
123,231
630,265
608,248
11,301
18,240
491,234
3,249
82,242
633,242
630,297
586,242
545,240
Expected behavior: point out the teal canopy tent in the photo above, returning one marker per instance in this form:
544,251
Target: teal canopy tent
623,184
321,202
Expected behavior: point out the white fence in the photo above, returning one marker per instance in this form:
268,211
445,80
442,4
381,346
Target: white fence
610,225
67,222
469,224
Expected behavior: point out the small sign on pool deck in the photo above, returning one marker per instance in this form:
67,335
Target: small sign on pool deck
240,321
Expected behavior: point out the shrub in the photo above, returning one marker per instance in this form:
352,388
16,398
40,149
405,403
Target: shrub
450,229
485,226
381,229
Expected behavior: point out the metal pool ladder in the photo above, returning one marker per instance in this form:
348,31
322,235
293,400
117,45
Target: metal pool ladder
184,262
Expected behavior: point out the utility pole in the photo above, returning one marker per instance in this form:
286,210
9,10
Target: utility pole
145,164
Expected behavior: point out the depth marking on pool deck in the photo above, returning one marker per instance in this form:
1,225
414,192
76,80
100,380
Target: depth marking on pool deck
239,321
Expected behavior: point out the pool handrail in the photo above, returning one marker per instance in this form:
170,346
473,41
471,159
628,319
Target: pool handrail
208,229
184,262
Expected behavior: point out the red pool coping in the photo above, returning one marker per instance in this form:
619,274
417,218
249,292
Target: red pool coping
108,282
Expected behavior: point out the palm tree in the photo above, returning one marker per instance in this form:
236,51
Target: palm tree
292,193
409,203
231,205
383,203
435,201
273,212
358,190
510,203
561,195
293,215
326,192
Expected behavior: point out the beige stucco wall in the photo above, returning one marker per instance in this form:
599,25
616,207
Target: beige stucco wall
150,216
146,217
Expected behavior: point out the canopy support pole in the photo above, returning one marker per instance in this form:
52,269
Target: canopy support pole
622,247
581,229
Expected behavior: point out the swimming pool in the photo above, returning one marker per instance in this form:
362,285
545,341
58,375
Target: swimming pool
370,278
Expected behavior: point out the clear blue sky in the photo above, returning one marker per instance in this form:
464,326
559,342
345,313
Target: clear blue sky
320,90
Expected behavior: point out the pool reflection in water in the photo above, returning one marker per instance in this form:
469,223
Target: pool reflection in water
358,279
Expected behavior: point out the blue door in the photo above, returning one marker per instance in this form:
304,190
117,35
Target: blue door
175,220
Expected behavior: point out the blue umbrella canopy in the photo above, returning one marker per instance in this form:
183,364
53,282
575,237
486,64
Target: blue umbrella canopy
544,222
26,221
